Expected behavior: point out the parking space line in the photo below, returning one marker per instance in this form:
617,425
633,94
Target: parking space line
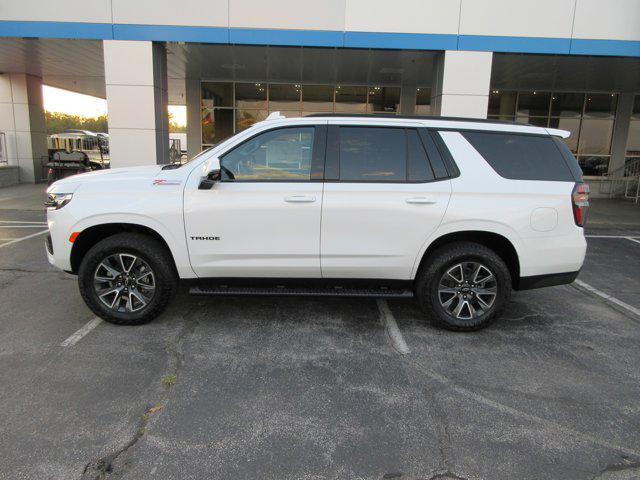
394,333
22,226
23,238
633,239
22,221
77,336
607,297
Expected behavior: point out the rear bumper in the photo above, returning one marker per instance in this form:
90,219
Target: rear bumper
547,280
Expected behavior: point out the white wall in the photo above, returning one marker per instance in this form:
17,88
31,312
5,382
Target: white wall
594,19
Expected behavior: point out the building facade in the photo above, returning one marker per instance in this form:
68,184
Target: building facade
569,64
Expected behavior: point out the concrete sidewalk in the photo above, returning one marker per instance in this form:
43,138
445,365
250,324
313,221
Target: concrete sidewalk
25,196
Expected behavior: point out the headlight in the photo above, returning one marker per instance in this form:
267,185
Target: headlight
56,201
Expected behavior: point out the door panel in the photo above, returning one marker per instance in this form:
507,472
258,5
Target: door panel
261,233
382,202
263,218
376,230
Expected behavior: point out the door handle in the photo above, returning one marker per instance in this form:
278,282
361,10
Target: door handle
422,200
300,199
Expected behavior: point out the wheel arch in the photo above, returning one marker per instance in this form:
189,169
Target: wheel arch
88,237
499,243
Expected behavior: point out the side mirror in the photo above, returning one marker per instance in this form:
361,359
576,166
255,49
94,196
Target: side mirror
210,180
212,177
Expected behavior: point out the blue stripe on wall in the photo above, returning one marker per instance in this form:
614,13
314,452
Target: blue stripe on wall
622,48
170,33
412,41
304,38
100,31
319,38
514,44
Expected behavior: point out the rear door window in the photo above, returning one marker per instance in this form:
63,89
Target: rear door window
372,154
520,156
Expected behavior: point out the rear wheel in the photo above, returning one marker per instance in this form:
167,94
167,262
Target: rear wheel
127,279
464,286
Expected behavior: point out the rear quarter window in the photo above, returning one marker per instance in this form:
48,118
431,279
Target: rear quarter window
521,157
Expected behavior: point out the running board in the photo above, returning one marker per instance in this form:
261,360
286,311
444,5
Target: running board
303,292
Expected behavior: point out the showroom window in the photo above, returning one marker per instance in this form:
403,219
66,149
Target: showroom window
589,117
229,108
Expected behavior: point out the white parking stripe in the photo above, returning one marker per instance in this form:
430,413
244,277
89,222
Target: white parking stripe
633,239
76,337
23,238
22,221
22,226
394,333
607,297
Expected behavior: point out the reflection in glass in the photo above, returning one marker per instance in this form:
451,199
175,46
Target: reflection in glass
217,94
283,154
595,137
284,97
251,95
593,165
351,99
535,121
502,104
423,101
317,98
571,125
217,124
246,118
567,104
534,104
601,105
384,99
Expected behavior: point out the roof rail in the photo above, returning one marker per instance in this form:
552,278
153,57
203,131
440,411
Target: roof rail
417,117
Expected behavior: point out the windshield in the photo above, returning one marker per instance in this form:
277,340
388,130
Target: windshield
173,166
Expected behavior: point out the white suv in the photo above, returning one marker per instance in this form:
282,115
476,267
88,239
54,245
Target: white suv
454,212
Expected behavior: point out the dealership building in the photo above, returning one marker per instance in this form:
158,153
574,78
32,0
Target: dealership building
568,64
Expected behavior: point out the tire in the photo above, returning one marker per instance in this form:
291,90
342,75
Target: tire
153,268
443,271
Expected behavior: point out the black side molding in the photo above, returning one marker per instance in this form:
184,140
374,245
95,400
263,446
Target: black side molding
549,280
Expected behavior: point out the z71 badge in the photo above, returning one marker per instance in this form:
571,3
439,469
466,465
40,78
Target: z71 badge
162,181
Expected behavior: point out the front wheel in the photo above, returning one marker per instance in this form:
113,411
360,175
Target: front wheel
464,286
127,279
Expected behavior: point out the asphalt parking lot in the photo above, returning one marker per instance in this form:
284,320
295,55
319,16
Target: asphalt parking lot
305,388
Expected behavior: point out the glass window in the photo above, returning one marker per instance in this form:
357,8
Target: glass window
351,99
535,121
601,105
217,95
534,104
423,101
567,104
571,125
418,168
595,137
373,154
502,104
246,118
594,165
251,95
284,97
384,99
317,98
217,124
521,157
277,155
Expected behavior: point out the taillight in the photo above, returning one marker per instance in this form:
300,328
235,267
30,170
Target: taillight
580,203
